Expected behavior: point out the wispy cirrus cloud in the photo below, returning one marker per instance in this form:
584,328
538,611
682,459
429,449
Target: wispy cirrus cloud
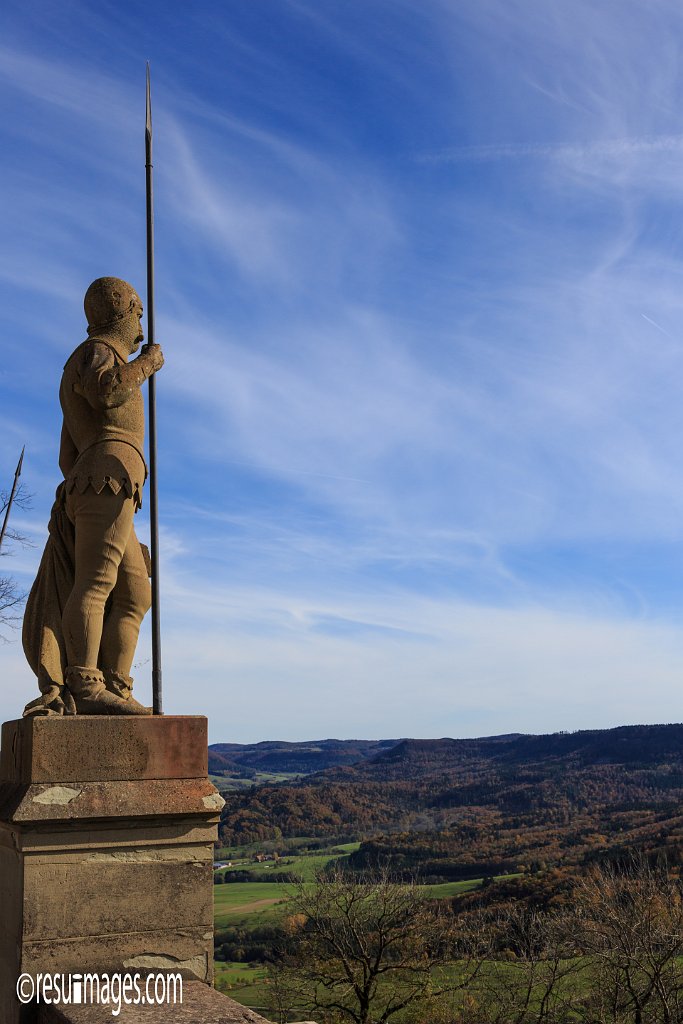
370,662
613,149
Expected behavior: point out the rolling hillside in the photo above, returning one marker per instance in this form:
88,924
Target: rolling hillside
461,808
278,757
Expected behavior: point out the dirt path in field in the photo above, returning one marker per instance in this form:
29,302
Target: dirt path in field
246,908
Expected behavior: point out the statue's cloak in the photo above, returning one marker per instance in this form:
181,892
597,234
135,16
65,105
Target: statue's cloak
42,634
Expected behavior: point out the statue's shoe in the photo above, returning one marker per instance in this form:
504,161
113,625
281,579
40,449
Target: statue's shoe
109,704
106,703
139,709
122,686
92,697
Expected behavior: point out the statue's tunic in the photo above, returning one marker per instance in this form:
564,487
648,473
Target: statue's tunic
104,422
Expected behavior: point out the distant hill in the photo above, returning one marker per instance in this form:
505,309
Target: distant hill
219,764
278,757
453,807
628,745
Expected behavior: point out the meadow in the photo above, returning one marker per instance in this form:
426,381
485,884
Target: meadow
245,983
249,903
253,904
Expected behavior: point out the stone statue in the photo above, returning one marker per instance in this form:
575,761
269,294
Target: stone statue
92,591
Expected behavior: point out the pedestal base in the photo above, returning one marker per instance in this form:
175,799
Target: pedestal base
107,828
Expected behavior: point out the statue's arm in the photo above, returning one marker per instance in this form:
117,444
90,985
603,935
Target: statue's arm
107,384
68,453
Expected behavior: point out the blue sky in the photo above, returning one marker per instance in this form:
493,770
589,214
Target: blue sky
419,287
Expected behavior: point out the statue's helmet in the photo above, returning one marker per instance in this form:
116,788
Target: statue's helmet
107,300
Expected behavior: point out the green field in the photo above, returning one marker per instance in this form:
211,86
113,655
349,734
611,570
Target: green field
245,904
304,865
243,982
242,904
249,903
248,983
231,783
295,846
255,903
445,890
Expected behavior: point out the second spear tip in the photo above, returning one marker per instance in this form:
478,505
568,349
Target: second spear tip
148,121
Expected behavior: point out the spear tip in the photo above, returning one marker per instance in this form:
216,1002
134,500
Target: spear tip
148,122
11,497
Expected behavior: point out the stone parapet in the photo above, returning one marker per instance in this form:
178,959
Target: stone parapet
201,1005
107,828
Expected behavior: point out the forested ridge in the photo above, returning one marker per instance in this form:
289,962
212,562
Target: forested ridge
465,808
247,759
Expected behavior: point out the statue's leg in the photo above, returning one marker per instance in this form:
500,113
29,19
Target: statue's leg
103,525
130,601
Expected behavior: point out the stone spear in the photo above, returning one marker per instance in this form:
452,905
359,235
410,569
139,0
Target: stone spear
153,509
17,474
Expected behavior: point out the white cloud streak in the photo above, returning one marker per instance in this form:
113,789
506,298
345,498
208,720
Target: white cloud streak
486,671
569,152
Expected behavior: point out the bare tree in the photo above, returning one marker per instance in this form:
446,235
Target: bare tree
630,923
615,956
369,947
528,971
285,992
11,595
366,949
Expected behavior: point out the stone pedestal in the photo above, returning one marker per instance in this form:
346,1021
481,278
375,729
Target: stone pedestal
106,849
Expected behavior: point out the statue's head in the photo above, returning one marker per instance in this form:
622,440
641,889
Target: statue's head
113,306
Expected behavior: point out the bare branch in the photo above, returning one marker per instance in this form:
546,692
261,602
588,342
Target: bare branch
368,945
11,601
11,596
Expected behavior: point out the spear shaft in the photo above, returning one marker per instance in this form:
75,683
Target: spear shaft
17,474
152,418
